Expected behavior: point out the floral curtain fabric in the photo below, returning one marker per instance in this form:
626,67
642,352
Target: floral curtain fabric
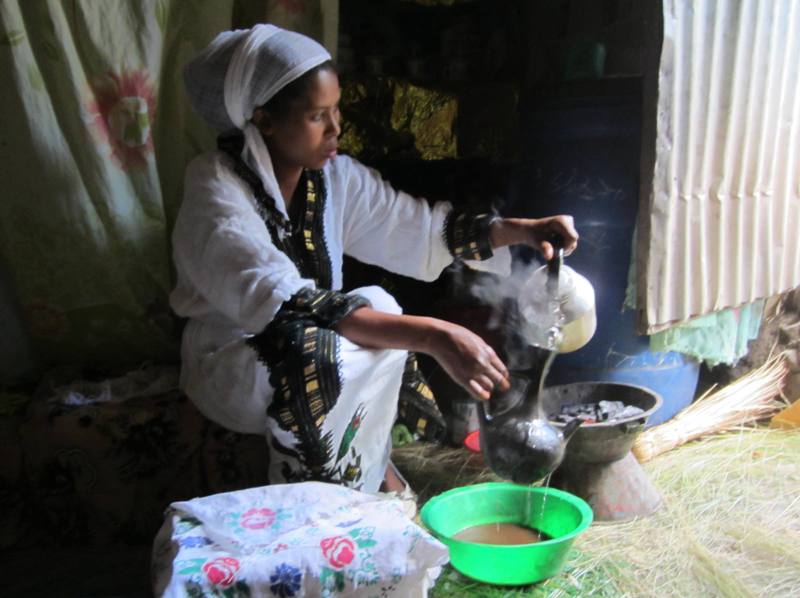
95,136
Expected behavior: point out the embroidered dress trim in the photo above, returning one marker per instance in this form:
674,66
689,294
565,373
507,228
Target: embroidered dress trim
324,307
302,354
417,408
306,309
278,226
311,245
467,235
302,238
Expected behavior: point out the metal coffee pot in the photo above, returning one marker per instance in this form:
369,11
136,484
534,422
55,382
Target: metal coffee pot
556,313
557,307
517,443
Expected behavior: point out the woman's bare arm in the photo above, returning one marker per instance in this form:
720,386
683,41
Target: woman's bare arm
464,355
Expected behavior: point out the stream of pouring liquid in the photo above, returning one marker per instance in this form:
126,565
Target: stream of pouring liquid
548,361
542,415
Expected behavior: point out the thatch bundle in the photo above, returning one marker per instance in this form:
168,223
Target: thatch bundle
751,398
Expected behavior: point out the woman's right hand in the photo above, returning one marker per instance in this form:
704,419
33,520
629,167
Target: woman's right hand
468,360
464,355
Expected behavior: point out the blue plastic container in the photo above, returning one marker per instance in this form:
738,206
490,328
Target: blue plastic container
582,158
628,360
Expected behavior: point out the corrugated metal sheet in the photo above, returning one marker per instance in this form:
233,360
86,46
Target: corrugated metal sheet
723,225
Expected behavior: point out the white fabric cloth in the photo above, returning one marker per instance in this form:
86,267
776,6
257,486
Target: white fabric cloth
242,70
291,540
266,60
231,280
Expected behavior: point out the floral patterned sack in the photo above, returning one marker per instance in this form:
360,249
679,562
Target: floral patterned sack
306,539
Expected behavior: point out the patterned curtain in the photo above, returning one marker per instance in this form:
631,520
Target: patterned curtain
95,133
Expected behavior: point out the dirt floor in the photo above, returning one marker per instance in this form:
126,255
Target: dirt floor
52,572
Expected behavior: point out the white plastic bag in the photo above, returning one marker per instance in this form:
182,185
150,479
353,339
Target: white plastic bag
308,539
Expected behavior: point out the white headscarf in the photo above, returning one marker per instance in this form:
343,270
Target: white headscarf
242,70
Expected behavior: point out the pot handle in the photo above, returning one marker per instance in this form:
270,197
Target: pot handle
634,426
554,264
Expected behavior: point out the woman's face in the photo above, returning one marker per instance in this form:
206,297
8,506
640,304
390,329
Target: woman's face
306,135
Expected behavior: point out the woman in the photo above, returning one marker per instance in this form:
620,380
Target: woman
272,346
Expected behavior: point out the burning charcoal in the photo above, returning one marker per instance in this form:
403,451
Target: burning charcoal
607,410
629,411
571,410
562,418
591,413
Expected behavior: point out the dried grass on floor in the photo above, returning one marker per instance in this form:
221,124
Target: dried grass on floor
431,469
730,526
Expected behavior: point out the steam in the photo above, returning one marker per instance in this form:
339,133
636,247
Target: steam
511,306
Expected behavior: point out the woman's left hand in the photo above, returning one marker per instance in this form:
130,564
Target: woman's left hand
536,232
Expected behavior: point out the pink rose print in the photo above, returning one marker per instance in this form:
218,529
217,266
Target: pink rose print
339,551
257,518
122,111
221,571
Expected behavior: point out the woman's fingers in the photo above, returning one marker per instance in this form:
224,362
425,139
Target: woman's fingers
502,384
478,391
485,381
563,227
566,224
498,371
497,363
498,377
494,376
471,362
491,372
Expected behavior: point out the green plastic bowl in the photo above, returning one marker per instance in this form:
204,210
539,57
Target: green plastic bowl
563,517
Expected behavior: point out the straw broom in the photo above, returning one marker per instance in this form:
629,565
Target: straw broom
748,399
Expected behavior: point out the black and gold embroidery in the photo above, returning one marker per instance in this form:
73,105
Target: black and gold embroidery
317,464
298,346
318,306
417,408
302,236
307,215
467,235
302,354
307,385
278,225
310,244
315,376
